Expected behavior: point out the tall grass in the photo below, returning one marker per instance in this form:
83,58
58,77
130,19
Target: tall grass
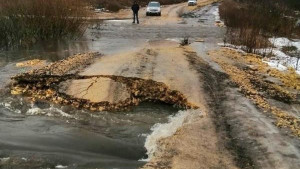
251,22
23,22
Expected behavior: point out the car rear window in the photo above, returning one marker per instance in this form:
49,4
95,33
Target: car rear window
154,4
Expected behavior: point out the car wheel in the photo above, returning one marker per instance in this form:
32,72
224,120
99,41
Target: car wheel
159,14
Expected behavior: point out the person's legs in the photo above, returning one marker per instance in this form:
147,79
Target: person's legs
133,17
137,17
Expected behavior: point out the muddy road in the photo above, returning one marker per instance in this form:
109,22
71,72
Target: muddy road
193,115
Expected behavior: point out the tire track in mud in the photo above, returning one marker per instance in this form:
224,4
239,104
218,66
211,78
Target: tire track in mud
214,85
143,66
147,64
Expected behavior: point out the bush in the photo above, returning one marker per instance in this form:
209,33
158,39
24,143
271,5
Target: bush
251,22
114,6
23,22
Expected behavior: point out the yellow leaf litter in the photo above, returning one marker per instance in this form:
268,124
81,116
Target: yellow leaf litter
240,77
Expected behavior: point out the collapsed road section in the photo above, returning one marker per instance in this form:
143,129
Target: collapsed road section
49,83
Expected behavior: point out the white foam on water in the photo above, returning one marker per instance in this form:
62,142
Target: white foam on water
61,166
4,159
24,159
8,106
35,111
174,39
216,13
160,131
62,113
51,111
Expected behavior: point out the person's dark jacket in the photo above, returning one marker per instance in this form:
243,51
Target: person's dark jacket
135,8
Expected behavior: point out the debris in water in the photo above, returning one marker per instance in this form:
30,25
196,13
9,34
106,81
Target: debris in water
185,41
200,40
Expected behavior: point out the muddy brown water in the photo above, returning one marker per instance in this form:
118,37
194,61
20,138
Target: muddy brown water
43,135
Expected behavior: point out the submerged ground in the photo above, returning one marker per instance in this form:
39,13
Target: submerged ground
231,110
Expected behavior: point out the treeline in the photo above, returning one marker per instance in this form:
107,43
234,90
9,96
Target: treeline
115,5
251,22
23,22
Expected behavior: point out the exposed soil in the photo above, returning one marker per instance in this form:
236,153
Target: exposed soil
215,84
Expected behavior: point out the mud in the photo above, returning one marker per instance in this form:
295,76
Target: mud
215,84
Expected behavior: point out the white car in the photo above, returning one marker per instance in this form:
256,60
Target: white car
153,8
192,2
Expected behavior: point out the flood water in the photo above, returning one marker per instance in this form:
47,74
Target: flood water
47,136
43,135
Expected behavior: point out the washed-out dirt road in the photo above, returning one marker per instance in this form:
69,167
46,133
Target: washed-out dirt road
225,129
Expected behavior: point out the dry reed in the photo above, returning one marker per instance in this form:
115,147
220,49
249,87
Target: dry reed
23,22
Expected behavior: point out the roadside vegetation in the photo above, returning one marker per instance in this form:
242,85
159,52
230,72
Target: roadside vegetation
23,22
251,22
116,5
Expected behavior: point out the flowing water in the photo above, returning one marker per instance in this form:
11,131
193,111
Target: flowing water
49,136
43,135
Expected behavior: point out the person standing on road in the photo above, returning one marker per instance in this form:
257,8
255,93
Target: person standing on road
135,9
